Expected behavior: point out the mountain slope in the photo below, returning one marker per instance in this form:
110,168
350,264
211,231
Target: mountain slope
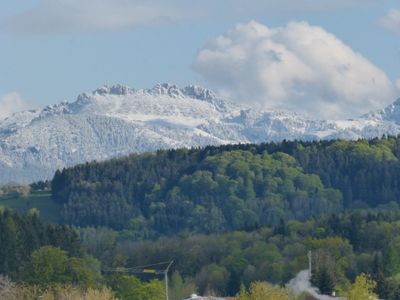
114,121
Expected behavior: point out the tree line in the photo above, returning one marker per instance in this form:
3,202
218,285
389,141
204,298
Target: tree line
232,187
343,247
77,260
43,261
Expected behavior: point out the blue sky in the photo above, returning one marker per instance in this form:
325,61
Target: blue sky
53,50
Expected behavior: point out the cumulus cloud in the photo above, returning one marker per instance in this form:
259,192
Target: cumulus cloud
297,67
53,16
391,20
11,103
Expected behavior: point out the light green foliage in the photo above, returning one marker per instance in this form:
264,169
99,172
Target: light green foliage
47,265
362,289
129,287
51,266
84,271
393,257
265,291
182,191
259,188
382,150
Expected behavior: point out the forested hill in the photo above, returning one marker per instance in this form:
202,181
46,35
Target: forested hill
229,187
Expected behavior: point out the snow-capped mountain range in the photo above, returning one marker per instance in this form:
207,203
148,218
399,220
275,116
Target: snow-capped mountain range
115,121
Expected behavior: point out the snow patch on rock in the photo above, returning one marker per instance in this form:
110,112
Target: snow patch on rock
118,120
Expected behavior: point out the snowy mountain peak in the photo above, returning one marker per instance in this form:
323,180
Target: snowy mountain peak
390,113
118,120
200,93
114,90
166,89
191,91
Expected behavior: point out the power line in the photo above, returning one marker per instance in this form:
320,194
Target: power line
145,269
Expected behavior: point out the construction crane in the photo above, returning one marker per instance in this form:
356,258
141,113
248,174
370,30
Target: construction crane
147,269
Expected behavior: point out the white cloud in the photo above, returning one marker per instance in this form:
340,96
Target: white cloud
53,16
11,103
298,67
391,20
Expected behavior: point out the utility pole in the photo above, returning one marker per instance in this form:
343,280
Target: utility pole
166,279
309,254
147,270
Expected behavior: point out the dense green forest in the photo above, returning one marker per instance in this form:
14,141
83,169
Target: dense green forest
343,247
234,187
49,262
21,235
236,219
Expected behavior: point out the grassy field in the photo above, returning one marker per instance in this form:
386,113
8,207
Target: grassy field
41,200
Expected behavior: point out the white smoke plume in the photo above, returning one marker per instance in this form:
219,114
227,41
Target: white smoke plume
301,283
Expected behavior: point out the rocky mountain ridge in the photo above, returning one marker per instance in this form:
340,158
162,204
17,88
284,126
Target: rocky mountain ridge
118,120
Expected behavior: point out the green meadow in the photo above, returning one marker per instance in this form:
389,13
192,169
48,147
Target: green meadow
40,200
